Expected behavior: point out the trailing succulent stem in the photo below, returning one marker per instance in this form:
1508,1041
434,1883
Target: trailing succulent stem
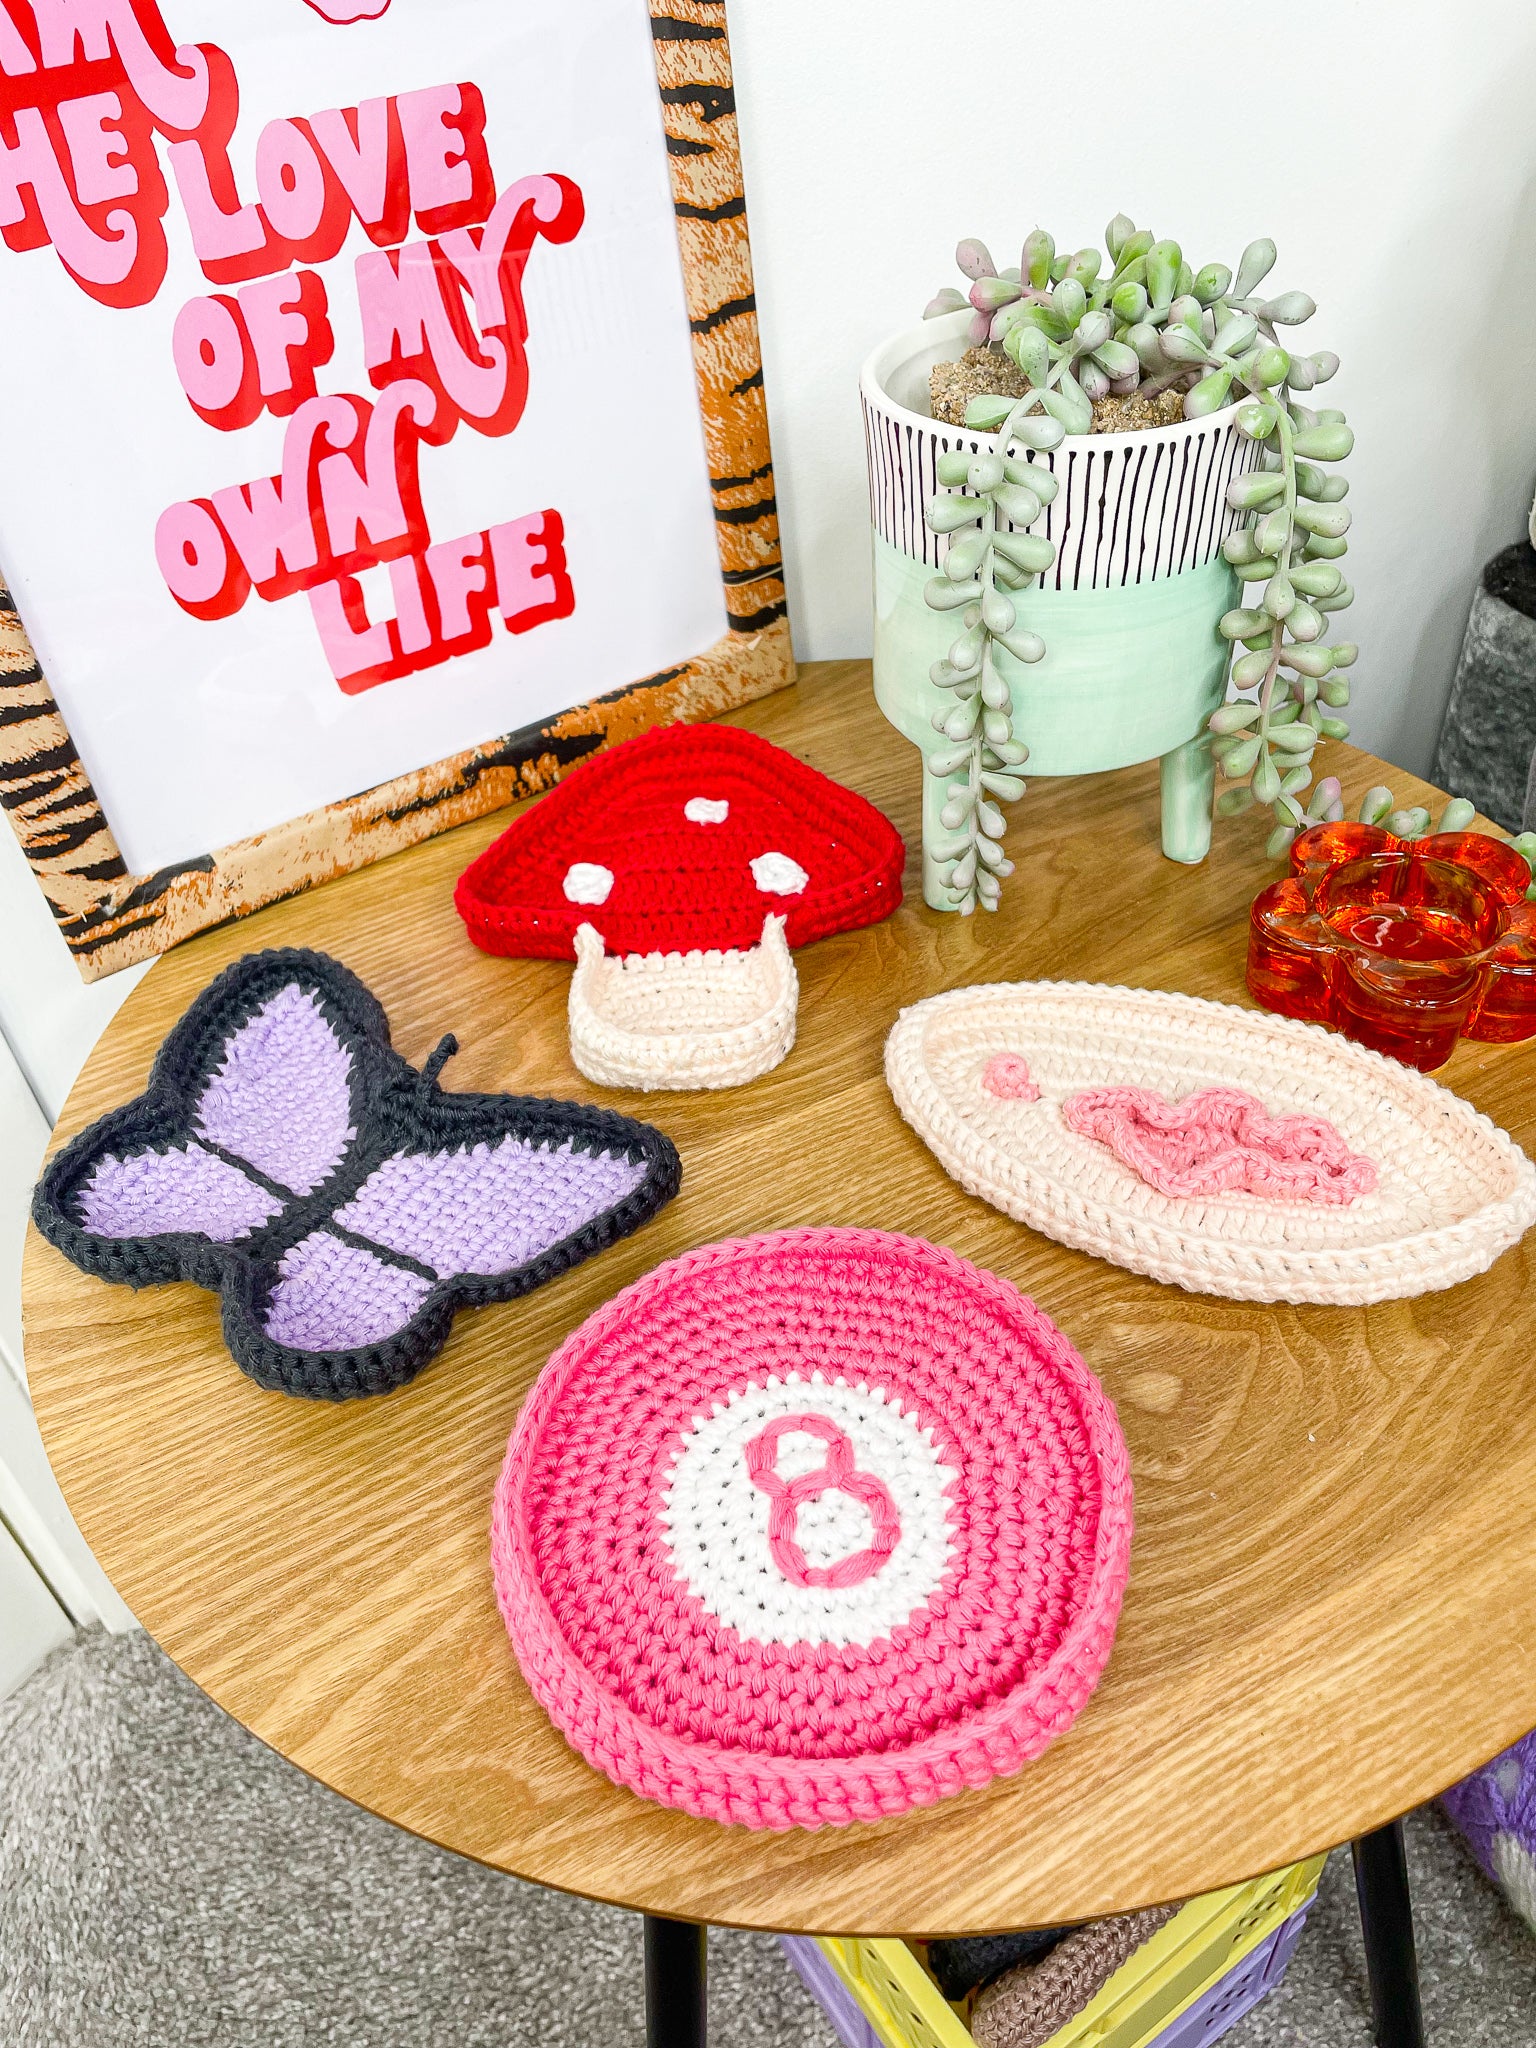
1078,330
990,500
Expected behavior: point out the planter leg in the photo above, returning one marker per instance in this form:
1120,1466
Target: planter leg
1189,785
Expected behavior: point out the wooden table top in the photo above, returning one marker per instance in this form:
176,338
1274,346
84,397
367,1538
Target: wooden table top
1332,1606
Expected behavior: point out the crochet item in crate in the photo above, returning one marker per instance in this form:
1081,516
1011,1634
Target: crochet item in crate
1209,1963
1027,2004
812,1528
965,1963
698,855
1227,1152
341,1204
1496,1810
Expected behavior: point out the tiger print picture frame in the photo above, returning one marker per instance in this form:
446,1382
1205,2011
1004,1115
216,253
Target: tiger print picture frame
125,139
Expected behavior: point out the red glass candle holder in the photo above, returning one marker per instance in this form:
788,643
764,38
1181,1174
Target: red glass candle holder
1404,945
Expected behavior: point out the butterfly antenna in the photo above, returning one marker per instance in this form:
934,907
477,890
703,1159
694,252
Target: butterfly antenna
447,1047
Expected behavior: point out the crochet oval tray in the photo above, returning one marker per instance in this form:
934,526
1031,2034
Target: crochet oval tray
1451,1192
813,1528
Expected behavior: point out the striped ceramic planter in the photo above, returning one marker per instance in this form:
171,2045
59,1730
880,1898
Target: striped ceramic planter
1128,611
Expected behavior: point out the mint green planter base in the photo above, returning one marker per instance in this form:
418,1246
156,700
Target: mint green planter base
1129,675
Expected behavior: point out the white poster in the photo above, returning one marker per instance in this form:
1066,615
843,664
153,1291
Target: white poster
349,414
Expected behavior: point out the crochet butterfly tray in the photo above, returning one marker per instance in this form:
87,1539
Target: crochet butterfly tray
1249,1156
342,1204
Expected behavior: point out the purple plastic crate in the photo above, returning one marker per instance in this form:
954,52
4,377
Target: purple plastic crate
829,1992
1239,1991
1212,2013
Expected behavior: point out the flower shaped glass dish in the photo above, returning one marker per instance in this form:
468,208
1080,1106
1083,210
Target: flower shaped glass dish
1404,945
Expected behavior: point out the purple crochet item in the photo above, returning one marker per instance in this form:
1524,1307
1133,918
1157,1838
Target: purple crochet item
342,1204
1496,1811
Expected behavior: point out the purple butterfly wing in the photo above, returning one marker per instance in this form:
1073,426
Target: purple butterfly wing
483,1210
333,1296
487,1208
145,1194
280,1099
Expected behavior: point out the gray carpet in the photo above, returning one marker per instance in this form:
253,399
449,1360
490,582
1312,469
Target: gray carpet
166,1882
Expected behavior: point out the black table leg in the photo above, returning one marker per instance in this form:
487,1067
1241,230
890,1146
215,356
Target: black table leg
675,1983
1386,1920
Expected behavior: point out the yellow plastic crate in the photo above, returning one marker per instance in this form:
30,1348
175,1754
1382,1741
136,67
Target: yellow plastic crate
1194,1951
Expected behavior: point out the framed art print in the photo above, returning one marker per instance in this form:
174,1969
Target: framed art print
383,429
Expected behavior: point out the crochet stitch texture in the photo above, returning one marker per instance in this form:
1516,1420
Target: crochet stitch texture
1220,1141
1452,1190
340,1203
812,1528
704,830
1026,2005
682,1020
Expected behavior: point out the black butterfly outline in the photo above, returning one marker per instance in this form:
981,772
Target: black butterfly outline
394,1108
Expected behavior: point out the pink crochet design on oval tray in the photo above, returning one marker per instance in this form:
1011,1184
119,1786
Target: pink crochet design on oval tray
1007,1076
1221,1141
813,1528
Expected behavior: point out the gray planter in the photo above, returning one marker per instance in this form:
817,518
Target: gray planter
1487,748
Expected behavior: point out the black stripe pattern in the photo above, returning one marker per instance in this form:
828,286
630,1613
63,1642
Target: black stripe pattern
1130,508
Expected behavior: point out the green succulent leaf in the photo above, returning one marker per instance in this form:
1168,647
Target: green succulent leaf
1242,623
1257,420
944,596
1211,283
1258,260
1290,309
1258,487
1164,260
950,511
1031,552
1069,301
1233,717
1209,395
1331,521
1330,441
988,412
1029,348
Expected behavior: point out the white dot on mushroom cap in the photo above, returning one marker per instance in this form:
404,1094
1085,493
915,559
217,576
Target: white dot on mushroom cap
777,875
707,810
586,882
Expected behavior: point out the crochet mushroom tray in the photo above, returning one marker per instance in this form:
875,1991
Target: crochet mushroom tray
813,1528
684,838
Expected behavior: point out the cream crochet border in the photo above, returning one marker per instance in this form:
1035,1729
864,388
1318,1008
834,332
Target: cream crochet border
1243,1247
729,1016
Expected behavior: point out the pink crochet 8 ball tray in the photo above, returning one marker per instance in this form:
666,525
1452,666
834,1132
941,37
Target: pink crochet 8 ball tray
812,1528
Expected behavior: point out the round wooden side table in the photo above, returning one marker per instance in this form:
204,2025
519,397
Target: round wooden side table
1332,1607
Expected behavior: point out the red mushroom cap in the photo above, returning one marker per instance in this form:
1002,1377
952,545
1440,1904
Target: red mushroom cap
684,840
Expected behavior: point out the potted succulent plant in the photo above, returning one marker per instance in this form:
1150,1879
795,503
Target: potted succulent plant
1073,469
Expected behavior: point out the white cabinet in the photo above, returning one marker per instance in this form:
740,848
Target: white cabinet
48,1577
31,1621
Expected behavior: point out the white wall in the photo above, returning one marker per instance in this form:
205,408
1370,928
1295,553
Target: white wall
1388,146
48,1015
